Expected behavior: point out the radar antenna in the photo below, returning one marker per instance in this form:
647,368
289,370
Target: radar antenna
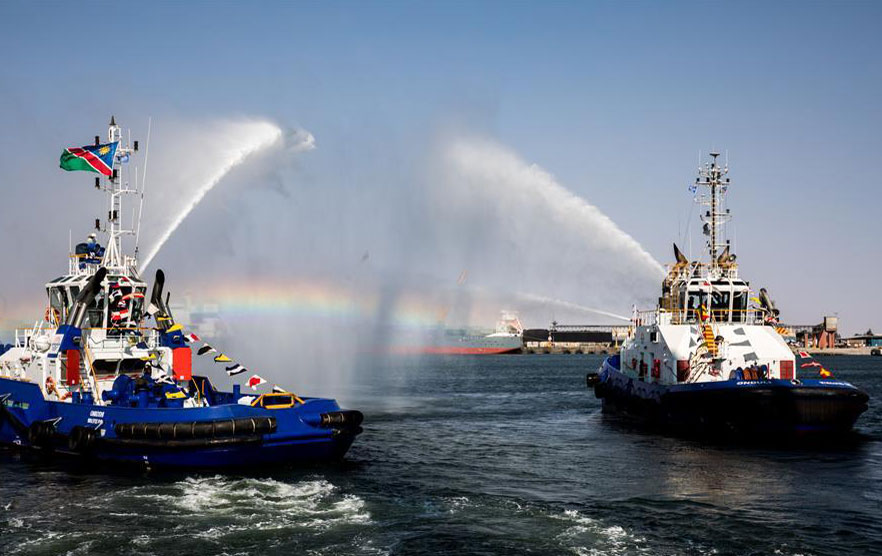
713,177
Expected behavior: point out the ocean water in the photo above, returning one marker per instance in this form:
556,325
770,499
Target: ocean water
475,455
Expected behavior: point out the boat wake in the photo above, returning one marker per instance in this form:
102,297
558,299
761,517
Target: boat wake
587,536
275,504
223,511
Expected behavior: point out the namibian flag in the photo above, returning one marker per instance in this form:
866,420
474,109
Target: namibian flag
93,158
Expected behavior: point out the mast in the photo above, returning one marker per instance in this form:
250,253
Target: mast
714,177
116,186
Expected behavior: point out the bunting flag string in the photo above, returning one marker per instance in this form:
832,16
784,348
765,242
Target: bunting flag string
823,372
236,369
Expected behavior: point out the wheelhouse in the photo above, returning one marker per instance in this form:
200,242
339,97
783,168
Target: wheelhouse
723,300
118,307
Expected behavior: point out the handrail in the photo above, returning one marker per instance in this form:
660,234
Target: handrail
691,316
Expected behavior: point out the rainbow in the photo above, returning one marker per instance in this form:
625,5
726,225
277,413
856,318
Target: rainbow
317,299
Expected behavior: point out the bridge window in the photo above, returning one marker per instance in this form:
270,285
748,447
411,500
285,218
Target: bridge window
739,306
696,299
720,305
58,302
95,311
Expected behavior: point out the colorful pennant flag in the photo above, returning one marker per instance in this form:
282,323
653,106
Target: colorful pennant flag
206,349
803,355
278,389
236,370
811,364
222,359
190,338
254,381
117,316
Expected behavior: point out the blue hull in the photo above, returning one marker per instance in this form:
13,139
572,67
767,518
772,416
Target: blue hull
226,435
750,407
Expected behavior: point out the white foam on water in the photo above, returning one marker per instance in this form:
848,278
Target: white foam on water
457,503
246,504
201,166
43,540
590,537
242,506
85,548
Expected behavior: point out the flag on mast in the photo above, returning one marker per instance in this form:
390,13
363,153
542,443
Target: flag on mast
91,158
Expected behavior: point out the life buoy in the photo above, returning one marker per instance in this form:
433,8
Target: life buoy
52,315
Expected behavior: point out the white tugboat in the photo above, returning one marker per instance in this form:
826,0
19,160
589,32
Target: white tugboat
95,378
709,357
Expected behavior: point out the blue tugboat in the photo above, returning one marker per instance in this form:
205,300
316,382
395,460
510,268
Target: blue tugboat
93,380
710,358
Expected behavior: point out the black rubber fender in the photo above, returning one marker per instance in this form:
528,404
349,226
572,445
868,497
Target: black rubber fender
348,419
41,433
189,430
82,439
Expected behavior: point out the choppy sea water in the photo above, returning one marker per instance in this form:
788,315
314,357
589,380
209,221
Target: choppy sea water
476,455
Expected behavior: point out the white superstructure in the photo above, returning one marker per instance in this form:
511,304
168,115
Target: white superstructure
708,323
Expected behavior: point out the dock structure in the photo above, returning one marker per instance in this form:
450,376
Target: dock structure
820,336
575,338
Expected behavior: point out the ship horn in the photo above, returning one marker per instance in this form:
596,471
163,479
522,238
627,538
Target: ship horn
85,298
681,258
724,256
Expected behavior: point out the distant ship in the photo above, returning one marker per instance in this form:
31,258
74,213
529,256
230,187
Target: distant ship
710,356
507,338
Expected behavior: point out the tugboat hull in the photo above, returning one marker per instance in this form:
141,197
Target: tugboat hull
227,435
743,407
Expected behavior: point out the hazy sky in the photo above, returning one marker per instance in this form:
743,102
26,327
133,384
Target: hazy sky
614,99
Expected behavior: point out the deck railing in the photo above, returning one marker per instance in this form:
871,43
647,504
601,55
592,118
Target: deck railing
691,316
